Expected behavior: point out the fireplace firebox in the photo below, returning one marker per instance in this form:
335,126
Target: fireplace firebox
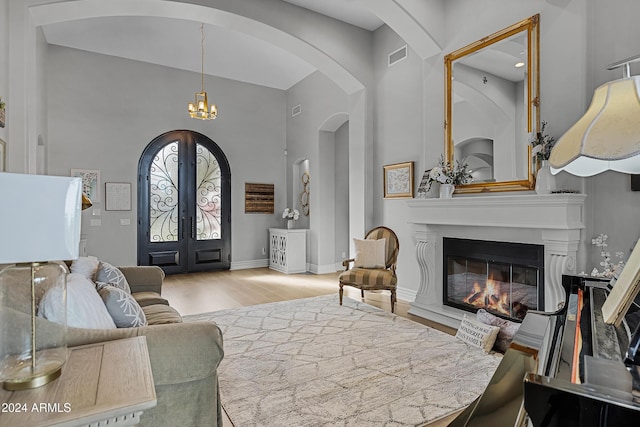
504,278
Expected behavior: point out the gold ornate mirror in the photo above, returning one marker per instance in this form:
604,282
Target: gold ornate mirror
492,106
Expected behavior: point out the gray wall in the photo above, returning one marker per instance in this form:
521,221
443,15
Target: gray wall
398,137
342,193
103,111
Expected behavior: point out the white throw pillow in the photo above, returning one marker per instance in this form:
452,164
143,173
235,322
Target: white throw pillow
370,253
107,273
477,334
85,308
86,265
123,308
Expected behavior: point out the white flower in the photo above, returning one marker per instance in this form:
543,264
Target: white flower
435,173
291,214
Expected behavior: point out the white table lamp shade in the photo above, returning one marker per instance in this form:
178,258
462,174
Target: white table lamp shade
39,218
39,222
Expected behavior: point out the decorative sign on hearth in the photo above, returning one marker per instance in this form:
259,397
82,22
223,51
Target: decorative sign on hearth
258,198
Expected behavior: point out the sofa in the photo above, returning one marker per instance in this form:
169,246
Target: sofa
184,356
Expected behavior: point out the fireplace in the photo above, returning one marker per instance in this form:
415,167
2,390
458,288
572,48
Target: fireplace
552,221
504,278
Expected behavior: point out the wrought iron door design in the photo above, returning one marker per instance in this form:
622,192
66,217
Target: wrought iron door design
184,204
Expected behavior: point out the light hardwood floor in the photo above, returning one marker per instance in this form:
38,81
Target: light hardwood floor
204,292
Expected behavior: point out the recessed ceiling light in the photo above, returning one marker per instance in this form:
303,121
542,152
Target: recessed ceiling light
519,64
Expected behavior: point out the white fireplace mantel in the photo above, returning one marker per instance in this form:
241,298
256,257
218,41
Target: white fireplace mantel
553,220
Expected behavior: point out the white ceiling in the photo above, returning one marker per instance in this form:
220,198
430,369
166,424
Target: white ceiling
176,43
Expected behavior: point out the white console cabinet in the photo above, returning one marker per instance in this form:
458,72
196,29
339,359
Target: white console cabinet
288,250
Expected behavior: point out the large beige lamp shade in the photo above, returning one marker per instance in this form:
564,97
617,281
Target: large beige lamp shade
607,137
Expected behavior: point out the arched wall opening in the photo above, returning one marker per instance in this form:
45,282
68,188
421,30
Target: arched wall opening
329,217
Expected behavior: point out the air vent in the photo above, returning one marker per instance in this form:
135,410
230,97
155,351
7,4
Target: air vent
296,110
397,55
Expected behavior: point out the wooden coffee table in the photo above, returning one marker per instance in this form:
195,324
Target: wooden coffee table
105,382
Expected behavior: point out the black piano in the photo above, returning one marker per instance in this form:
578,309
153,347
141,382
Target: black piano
565,369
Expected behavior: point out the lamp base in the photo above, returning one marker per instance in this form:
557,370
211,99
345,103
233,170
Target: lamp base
25,382
32,324
21,375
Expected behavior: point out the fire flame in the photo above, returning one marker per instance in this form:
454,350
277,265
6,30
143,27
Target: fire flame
490,297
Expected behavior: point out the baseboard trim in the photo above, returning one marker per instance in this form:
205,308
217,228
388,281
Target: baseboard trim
406,294
322,269
255,263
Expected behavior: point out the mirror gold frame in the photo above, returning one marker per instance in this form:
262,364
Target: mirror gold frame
530,26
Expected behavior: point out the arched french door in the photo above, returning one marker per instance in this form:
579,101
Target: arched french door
184,204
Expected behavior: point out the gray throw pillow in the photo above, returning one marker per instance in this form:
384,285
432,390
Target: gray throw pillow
508,329
107,273
123,308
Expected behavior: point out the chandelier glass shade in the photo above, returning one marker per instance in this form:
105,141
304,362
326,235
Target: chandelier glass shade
200,108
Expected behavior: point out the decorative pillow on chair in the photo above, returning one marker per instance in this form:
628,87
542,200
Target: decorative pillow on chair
107,273
123,308
508,328
86,266
85,309
477,334
370,253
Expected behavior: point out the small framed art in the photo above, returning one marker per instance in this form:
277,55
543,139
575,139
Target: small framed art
90,182
117,196
398,180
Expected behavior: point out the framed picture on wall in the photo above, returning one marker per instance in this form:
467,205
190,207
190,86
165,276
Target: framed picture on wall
90,182
398,180
117,196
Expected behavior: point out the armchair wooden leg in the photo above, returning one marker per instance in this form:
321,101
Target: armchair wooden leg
341,292
362,293
393,301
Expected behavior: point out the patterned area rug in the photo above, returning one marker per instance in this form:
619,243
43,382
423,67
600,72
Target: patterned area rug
312,362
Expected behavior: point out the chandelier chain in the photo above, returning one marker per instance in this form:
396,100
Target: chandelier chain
202,54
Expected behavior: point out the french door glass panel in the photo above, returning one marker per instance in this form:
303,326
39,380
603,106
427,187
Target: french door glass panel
164,195
208,195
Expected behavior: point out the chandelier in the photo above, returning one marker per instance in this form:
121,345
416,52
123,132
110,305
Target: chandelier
200,109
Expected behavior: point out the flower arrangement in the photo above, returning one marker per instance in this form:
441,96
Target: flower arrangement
445,174
293,214
609,269
1,103
542,144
